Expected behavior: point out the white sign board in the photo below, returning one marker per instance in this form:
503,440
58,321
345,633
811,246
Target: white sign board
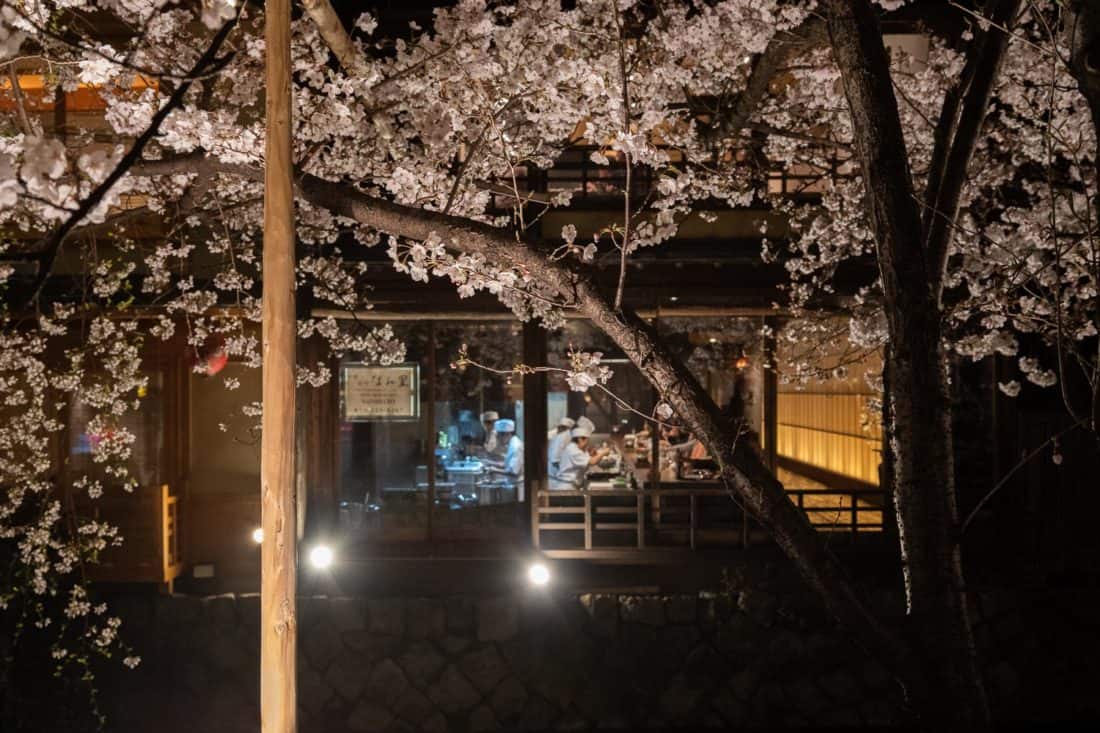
380,392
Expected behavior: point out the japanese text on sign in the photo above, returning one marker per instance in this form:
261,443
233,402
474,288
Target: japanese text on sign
372,393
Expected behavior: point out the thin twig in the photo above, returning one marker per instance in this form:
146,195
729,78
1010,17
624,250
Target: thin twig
1023,462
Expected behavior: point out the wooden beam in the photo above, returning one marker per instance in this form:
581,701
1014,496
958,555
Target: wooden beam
278,574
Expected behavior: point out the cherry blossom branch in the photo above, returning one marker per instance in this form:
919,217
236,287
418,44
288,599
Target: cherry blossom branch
51,245
960,123
765,67
336,38
519,370
194,75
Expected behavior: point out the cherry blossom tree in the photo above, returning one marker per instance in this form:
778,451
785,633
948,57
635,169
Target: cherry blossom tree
965,172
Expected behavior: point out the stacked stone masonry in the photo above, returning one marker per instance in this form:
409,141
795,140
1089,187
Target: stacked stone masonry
529,662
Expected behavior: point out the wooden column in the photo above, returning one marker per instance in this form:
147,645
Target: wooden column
317,407
278,584
431,438
534,418
771,394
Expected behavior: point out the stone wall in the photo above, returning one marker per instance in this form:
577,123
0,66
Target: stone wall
529,662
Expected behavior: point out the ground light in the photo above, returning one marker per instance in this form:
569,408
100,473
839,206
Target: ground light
321,556
258,535
538,574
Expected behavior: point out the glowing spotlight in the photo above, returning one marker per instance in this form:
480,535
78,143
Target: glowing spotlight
258,535
320,556
538,574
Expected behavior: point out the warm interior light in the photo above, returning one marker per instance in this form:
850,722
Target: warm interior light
713,340
258,535
538,574
742,362
320,556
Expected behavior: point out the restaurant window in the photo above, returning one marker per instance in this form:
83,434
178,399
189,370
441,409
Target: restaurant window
725,354
145,423
618,411
457,463
829,407
479,436
383,475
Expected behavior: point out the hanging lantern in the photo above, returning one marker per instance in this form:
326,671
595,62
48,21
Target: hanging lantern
212,357
741,362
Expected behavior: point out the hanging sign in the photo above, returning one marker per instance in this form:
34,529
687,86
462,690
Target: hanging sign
380,392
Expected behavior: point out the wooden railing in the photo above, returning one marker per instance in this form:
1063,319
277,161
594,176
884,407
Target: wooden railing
149,522
170,537
576,523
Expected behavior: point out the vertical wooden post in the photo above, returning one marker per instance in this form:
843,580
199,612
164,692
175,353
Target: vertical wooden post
587,521
432,437
278,581
655,438
535,387
771,395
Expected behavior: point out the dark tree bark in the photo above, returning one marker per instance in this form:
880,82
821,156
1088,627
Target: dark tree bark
911,259
1081,34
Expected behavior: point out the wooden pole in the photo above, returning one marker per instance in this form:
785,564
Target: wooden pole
771,395
278,581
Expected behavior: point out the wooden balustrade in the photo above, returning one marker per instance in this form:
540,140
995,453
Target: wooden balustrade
617,522
149,522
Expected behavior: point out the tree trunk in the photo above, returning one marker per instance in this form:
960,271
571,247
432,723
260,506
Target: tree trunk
1082,36
950,693
278,581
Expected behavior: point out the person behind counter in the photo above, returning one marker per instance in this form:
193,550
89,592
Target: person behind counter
488,421
573,464
512,468
561,440
559,437
564,426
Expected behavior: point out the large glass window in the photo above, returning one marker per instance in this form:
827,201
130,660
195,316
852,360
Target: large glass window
618,412
458,463
145,423
479,435
384,459
726,356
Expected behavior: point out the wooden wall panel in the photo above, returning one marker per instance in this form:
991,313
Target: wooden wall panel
828,431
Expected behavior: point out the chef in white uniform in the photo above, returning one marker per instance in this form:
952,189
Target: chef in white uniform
489,444
559,437
512,467
575,460
554,452
564,426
